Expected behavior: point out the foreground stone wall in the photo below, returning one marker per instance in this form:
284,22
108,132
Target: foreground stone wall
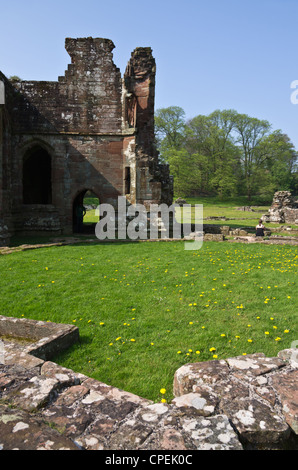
247,402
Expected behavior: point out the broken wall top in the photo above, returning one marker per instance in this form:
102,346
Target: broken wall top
88,99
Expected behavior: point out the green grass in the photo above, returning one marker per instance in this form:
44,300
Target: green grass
215,207
175,304
91,217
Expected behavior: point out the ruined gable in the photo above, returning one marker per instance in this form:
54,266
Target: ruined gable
92,129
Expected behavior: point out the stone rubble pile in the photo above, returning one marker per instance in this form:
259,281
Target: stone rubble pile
284,209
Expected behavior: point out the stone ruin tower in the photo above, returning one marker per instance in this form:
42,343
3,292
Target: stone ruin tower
91,130
284,209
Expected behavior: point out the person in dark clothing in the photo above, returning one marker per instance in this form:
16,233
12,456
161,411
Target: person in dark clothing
260,229
80,212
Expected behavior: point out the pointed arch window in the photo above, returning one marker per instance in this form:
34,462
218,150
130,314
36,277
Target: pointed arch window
37,176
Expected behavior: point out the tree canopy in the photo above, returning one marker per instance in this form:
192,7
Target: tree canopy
225,154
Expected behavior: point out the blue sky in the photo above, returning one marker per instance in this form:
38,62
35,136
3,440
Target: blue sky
213,54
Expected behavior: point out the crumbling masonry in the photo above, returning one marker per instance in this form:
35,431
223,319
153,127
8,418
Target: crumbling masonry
91,130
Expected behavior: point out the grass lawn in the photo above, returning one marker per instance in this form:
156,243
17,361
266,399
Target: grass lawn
144,309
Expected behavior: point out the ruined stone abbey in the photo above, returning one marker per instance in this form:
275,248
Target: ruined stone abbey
91,130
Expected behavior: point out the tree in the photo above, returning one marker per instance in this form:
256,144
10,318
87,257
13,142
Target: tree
15,78
169,127
251,133
212,137
225,153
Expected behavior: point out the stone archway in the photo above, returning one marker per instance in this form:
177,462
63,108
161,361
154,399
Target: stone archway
84,222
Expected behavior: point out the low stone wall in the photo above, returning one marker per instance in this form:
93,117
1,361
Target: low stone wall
258,395
249,402
42,339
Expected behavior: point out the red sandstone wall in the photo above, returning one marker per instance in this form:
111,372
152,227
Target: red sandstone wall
93,125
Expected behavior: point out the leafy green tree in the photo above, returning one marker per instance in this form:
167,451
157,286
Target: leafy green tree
169,127
225,153
212,137
281,159
251,133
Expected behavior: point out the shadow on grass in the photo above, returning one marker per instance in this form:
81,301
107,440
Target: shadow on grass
84,341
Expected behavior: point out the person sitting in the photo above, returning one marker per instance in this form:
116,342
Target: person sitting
260,229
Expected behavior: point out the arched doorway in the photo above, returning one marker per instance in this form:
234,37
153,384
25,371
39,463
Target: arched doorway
85,213
37,176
